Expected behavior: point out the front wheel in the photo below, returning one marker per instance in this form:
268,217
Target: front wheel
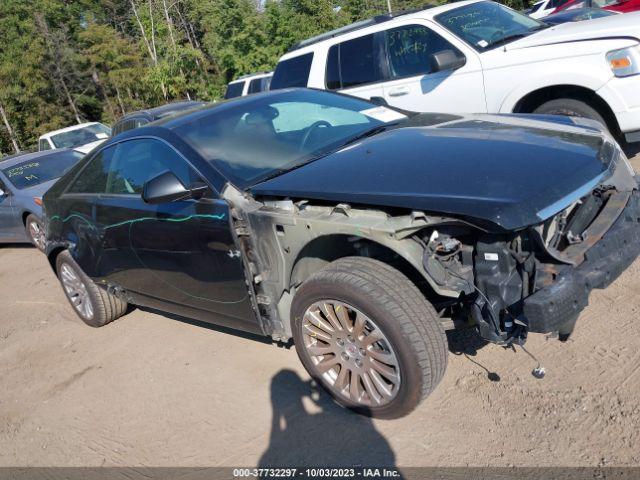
570,108
35,232
369,337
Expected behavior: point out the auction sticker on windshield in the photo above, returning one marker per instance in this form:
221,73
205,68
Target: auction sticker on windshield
383,114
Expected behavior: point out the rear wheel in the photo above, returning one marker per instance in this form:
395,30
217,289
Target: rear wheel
369,337
35,232
570,108
93,304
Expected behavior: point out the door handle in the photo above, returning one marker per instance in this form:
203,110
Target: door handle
399,92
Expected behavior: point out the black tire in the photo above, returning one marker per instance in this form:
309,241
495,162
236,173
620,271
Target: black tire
35,231
400,311
105,306
571,108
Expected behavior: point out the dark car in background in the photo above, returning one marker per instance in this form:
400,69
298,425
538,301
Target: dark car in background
577,15
358,230
23,181
142,117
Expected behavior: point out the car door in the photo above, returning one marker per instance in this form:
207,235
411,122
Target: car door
353,67
414,84
179,256
10,224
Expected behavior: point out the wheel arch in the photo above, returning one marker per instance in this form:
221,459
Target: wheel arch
53,255
322,250
24,216
529,102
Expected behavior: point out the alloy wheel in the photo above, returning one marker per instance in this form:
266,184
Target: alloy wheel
351,353
37,235
76,291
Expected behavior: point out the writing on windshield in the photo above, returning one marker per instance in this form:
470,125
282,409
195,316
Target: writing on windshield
487,24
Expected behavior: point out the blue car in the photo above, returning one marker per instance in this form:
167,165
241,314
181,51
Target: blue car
23,181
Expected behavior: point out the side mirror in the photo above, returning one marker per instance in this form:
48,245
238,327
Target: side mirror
379,101
446,60
166,187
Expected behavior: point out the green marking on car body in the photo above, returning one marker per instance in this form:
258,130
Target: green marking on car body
138,220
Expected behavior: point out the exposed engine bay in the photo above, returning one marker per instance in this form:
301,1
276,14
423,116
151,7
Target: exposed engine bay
498,282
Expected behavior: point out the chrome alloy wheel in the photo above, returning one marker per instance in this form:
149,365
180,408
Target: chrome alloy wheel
76,291
351,353
37,234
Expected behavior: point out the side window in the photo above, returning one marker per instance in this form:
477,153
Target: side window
136,161
353,63
93,177
254,85
234,90
293,72
358,62
410,49
44,145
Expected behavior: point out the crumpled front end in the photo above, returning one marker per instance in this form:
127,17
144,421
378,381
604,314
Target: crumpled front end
539,279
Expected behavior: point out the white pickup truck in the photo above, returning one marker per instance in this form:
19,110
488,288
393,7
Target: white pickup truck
480,57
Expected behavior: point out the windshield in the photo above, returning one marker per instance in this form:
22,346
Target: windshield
81,136
257,137
486,25
42,169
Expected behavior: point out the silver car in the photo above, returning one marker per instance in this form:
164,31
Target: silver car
23,181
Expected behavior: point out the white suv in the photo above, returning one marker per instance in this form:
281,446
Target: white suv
248,84
477,57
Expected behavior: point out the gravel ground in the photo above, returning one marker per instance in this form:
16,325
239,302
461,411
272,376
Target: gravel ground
149,390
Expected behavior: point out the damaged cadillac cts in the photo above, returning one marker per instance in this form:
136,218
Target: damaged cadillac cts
360,231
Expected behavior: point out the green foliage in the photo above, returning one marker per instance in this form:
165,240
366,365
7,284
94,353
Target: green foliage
65,61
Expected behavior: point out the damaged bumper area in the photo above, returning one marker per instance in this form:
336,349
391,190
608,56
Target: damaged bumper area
540,280
557,306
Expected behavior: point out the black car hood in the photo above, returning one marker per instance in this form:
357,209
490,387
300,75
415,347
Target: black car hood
508,170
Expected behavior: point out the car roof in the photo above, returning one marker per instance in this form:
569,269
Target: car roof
428,12
68,129
16,159
164,110
15,155
188,116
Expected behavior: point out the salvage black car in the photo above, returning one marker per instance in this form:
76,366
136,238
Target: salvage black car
360,231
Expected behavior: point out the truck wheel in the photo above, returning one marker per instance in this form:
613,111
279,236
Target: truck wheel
35,231
571,108
93,304
369,337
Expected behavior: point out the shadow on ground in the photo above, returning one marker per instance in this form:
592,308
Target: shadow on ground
325,435
467,343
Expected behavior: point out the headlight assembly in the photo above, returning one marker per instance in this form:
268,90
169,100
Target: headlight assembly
624,62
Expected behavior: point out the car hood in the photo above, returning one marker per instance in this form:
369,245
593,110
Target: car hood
616,26
506,170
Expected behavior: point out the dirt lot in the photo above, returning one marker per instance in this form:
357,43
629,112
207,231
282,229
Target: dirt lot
148,390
